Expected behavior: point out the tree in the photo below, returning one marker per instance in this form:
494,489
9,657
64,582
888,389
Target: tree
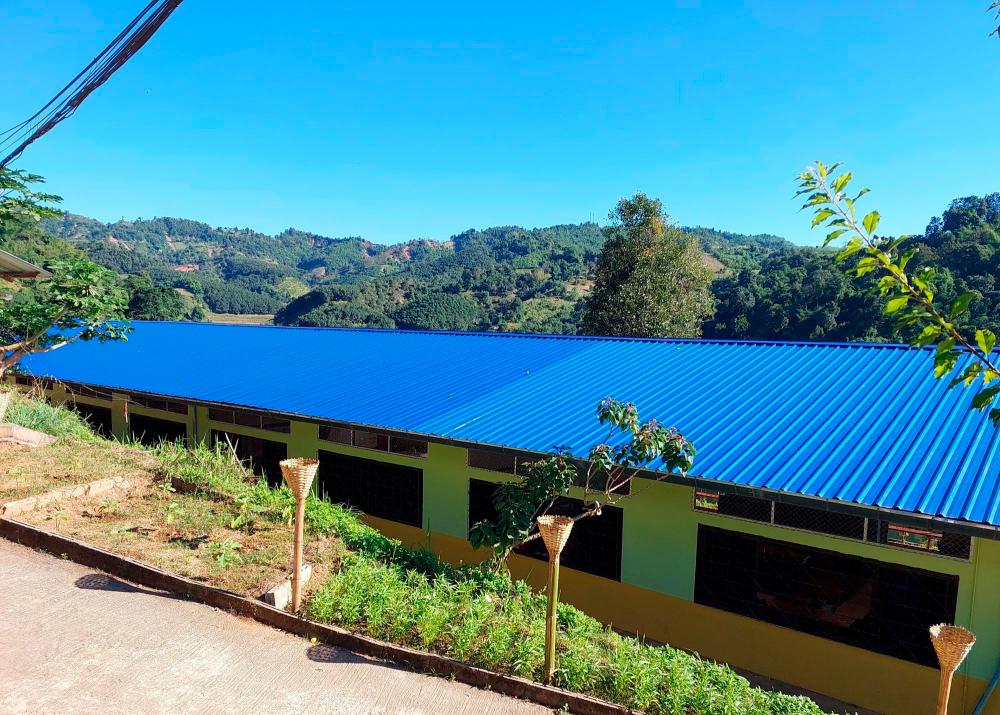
606,477
19,202
650,279
910,296
438,311
151,302
81,301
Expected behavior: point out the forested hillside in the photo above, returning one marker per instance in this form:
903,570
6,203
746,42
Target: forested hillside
503,278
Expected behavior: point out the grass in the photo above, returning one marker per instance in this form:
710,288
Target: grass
232,532
27,411
489,620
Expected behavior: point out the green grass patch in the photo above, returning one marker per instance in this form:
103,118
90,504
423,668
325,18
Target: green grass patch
43,417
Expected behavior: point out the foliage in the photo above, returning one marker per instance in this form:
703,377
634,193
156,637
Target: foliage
437,311
149,302
650,279
81,301
799,294
610,469
910,296
19,202
39,415
500,624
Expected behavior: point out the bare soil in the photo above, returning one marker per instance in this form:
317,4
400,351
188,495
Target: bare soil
192,535
26,471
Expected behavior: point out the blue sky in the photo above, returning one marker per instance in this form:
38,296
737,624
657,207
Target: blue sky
402,120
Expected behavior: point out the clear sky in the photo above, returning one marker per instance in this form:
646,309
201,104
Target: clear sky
396,120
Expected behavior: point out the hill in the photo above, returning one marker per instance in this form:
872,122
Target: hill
501,278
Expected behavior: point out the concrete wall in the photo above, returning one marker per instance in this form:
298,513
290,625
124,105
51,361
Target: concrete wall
654,597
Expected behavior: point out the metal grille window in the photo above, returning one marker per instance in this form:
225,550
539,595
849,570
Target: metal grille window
493,461
881,607
340,435
99,418
481,506
823,521
945,543
250,419
262,455
594,546
388,491
152,430
409,447
158,404
85,391
371,440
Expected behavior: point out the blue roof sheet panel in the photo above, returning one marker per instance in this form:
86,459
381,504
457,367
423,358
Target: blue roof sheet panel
858,423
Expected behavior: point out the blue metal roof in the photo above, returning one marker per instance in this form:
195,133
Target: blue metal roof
857,423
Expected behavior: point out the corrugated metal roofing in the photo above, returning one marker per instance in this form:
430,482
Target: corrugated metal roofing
857,423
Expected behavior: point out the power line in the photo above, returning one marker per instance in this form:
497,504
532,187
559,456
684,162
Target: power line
62,106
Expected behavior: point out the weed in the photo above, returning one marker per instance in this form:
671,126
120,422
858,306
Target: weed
225,552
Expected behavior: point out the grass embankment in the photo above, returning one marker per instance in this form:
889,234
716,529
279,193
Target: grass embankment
372,584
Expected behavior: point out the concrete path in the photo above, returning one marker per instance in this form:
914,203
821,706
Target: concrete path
76,641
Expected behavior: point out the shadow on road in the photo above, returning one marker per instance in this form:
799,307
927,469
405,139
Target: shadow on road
323,653
103,582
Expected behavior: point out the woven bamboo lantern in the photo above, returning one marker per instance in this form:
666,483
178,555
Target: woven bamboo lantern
555,532
952,644
299,474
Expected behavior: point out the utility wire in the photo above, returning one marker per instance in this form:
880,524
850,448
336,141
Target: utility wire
62,106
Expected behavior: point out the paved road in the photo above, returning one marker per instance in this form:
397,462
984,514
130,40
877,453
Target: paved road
75,641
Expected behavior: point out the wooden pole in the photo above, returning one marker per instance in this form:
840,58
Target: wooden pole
300,526
550,620
298,473
944,691
555,532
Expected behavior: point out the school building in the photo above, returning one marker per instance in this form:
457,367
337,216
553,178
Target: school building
842,500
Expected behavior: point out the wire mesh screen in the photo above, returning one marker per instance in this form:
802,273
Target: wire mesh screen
869,604
834,523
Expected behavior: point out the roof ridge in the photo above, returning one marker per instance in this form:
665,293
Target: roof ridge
546,336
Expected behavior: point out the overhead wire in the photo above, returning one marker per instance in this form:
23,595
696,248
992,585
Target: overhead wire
65,102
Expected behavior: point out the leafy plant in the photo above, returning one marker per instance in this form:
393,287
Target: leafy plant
910,296
81,301
19,202
630,446
225,552
172,512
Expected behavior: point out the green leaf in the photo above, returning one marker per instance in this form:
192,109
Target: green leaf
961,304
985,339
821,216
995,417
871,222
985,397
842,181
852,247
896,304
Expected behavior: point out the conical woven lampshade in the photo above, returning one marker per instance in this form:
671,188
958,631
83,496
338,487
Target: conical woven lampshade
555,532
299,473
952,644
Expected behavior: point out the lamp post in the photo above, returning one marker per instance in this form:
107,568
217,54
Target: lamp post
298,474
555,533
952,644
